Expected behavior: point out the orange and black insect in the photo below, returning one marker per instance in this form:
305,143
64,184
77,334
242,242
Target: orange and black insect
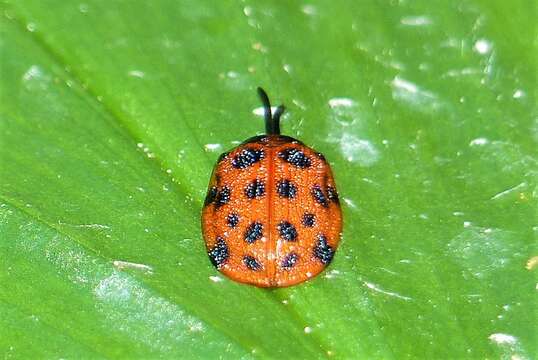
271,216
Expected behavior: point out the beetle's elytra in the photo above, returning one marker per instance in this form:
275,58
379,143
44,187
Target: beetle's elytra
271,217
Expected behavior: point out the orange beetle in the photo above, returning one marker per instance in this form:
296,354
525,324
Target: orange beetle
271,217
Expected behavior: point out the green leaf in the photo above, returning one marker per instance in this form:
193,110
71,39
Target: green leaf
113,114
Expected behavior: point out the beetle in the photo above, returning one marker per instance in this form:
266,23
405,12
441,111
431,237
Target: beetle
272,215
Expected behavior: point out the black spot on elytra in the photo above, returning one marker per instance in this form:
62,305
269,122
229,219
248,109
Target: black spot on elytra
287,231
322,250
251,263
223,196
232,220
321,157
332,195
289,261
247,157
319,196
309,220
219,254
286,189
210,197
254,232
295,157
255,189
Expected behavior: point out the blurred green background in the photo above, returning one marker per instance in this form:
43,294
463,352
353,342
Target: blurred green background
113,113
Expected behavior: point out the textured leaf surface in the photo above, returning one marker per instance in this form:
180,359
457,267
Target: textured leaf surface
113,113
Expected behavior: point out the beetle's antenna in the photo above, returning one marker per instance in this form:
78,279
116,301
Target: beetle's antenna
272,123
